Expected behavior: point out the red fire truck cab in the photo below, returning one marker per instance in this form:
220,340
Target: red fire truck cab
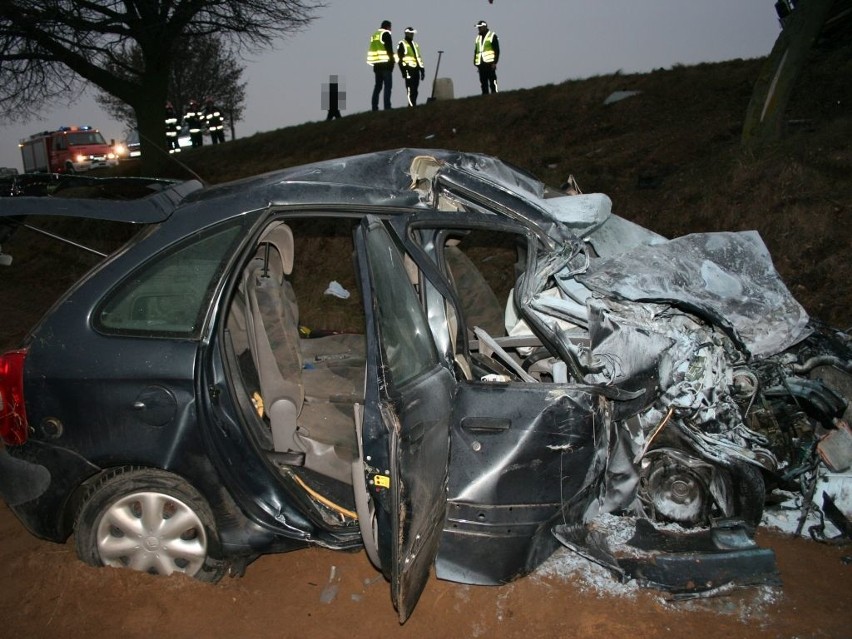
69,149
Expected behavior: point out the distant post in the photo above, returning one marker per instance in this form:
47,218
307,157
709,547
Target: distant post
333,97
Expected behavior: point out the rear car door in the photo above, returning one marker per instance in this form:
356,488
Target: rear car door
408,405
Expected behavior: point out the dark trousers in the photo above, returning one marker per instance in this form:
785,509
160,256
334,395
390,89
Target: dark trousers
487,78
217,136
197,139
412,85
384,80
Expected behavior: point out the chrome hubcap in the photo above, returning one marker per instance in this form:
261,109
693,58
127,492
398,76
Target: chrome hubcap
676,487
154,533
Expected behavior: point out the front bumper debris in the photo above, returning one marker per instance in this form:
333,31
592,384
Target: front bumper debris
686,564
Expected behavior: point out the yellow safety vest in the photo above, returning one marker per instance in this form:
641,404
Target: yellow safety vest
377,54
412,54
484,51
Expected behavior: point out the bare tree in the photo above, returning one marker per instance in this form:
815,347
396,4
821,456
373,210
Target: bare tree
53,49
204,66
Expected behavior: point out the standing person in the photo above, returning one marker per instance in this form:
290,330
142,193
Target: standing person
194,121
486,53
172,128
333,97
411,64
381,57
215,122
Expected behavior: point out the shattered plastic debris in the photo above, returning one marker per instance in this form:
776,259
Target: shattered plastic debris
329,593
786,514
684,562
749,605
334,288
835,449
752,603
618,96
567,565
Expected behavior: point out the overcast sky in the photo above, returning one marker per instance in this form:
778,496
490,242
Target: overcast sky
541,41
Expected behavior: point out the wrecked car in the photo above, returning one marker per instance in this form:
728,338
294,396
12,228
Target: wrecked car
502,366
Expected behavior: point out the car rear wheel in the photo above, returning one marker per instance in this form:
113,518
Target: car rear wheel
147,520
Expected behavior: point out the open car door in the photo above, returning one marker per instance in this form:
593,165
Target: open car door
405,431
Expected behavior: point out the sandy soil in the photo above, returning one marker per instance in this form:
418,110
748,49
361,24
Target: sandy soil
320,593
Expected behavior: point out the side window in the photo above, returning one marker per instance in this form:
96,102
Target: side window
487,337
408,344
482,267
59,143
169,294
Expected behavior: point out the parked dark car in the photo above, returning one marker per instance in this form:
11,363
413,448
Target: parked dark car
512,363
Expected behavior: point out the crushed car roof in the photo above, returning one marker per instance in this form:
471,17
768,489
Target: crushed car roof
726,277
379,179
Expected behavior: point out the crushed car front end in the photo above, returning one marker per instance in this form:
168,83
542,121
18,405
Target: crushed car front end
696,394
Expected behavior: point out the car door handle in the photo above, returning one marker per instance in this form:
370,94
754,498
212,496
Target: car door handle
486,424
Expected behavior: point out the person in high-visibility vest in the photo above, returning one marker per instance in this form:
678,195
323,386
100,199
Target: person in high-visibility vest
411,64
381,57
215,122
194,121
172,128
486,54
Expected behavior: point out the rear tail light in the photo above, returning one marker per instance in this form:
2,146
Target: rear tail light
13,415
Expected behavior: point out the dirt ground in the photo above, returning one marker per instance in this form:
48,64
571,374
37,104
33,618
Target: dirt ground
321,593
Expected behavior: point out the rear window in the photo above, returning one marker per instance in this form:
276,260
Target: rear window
169,295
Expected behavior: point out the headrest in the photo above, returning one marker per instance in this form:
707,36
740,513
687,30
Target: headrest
281,237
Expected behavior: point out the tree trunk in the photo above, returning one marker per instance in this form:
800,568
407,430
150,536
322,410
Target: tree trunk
764,121
150,120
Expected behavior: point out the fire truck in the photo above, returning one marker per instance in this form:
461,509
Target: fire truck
69,149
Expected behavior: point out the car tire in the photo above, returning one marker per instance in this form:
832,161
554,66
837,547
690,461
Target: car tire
148,520
678,487
749,492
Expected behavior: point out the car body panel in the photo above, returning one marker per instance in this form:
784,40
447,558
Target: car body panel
166,196
727,276
505,435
